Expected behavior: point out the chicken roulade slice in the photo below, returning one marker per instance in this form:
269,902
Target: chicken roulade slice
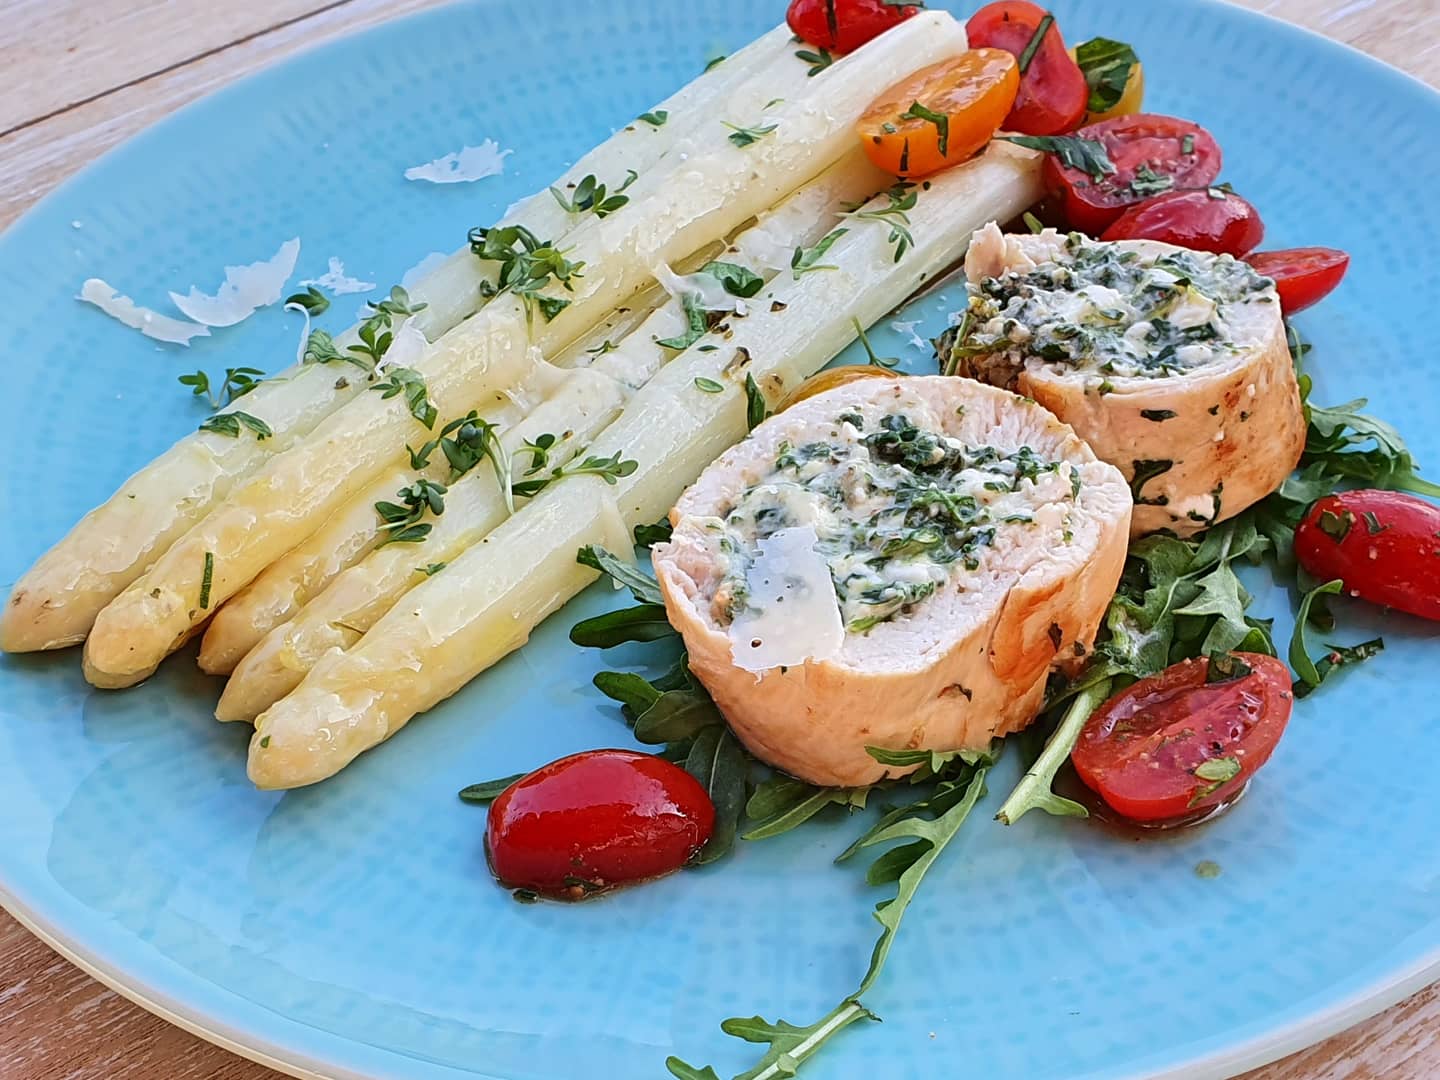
1172,364
895,563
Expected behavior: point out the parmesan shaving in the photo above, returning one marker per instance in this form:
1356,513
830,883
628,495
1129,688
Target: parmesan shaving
150,323
468,164
908,328
791,614
407,347
708,289
338,282
246,289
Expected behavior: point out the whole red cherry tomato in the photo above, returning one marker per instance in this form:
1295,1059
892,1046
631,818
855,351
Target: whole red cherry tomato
1211,220
594,820
1151,155
842,26
1384,545
1303,276
1180,742
1053,92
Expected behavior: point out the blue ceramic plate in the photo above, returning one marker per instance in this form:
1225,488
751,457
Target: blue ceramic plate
351,930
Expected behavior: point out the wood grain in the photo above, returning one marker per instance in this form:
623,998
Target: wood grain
65,57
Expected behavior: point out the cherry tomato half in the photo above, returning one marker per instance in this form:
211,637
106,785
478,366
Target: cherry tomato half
1175,744
594,820
1053,92
833,377
1303,276
1211,220
1384,545
1151,154
842,26
941,115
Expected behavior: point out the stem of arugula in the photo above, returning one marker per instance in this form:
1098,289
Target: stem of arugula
1033,791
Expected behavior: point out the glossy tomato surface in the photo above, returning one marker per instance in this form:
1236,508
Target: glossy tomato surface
842,26
941,115
1053,92
1208,220
1151,154
594,820
1175,743
1303,276
1384,546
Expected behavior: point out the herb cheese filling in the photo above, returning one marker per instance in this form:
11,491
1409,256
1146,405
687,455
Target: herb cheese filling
898,511
1106,309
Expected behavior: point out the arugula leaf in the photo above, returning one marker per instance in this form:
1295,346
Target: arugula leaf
488,791
720,764
1074,151
650,535
644,622
784,803
676,716
641,585
790,1046
1106,66
1034,790
1300,660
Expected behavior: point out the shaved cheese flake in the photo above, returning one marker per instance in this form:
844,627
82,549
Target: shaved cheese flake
245,291
791,614
916,341
468,164
423,269
710,292
150,323
407,347
338,282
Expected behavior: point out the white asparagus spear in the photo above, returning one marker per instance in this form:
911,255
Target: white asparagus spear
55,603
445,633
669,215
337,617
287,584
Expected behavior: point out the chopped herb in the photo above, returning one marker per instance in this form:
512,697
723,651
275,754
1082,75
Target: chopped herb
408,381
1148,182
1107,66
1159,415
207,580
1336,526
710,386
755,408
930,116
711,64
1143,471
431,570
737,280
1074,152
1033,223
697,321
1187,144
1226,667
1372,523
748,136
606,346
265,742
656,117
1207,869
818,59
312,300
230,424
807,259
902,197
1033,46
650,535
1217,772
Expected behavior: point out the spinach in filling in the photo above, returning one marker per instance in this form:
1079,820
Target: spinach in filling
1106,310
898,510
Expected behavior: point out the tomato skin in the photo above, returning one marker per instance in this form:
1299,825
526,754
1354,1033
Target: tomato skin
1053,92
1139,750
1303,276
604,817
1227,225
1132,142
842,26
1391,557
972,92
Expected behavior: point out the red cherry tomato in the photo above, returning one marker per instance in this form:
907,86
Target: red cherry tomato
1053,92
842,26
594,820
1385,547
1146,151
1304,276
1174,744
1221,223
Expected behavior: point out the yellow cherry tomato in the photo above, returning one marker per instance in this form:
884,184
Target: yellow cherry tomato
833,377
1131,98
941,115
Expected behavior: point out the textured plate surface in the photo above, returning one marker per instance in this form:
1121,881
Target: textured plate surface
352,930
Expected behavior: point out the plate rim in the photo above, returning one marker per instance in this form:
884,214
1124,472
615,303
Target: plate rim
1378,993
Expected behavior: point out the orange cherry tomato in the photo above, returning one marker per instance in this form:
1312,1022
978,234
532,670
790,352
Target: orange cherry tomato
830,378
941,115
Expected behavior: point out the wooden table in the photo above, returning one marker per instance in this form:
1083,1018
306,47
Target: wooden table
70,91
